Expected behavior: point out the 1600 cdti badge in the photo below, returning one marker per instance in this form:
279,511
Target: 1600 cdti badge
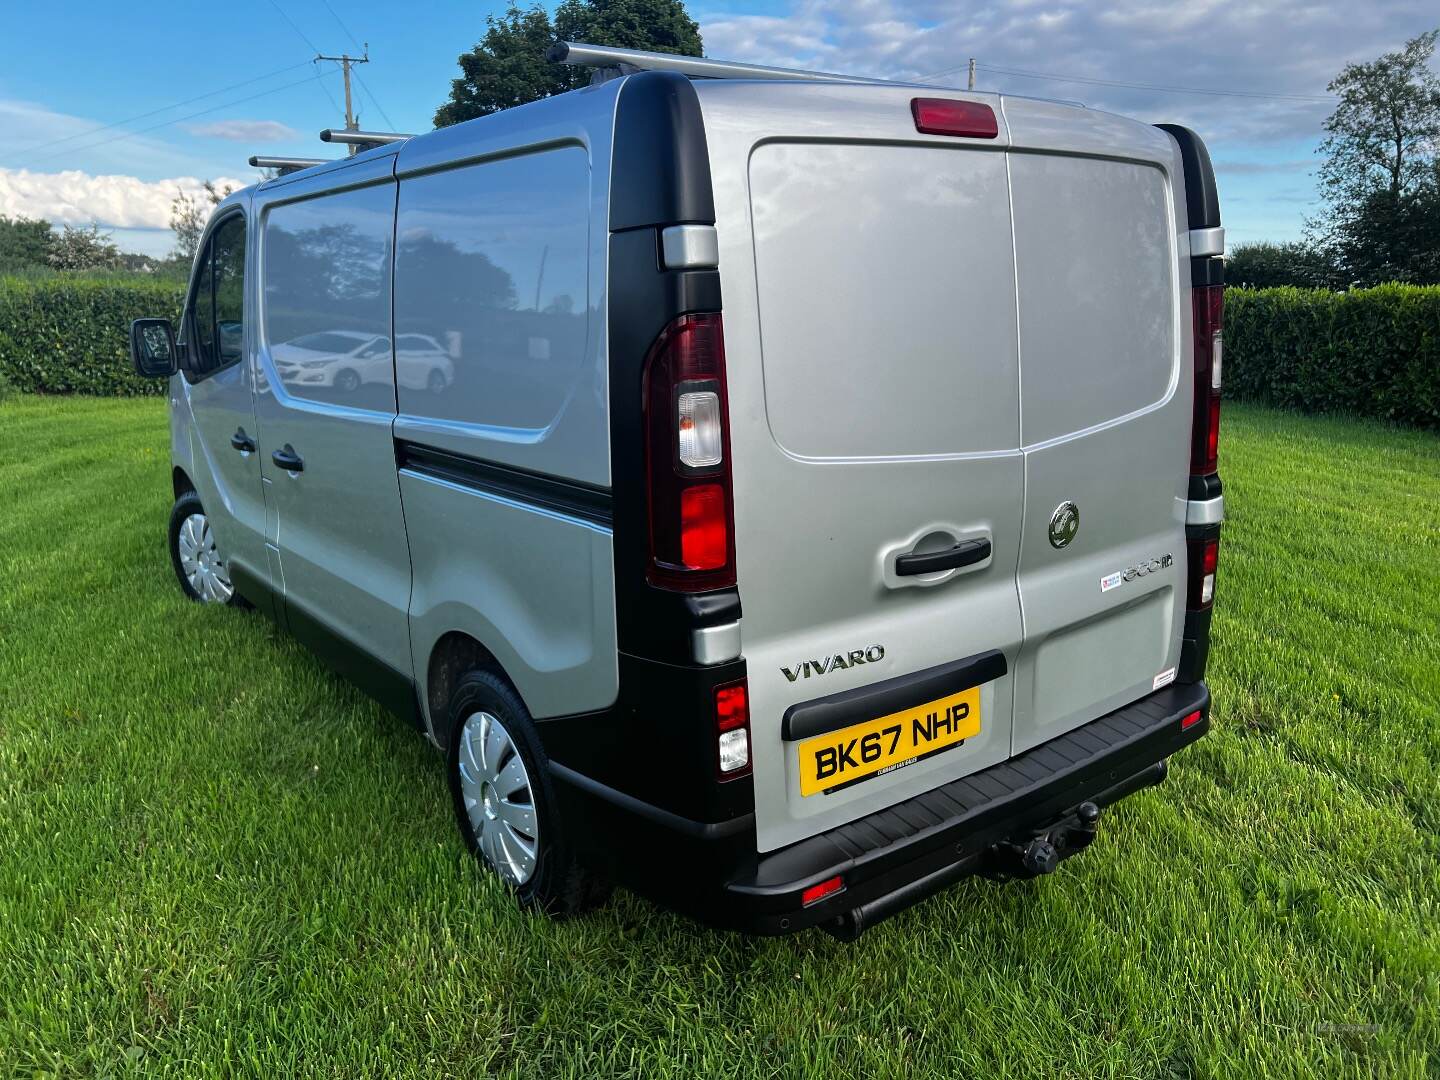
692,594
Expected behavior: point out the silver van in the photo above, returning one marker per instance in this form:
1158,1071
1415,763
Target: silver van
784,494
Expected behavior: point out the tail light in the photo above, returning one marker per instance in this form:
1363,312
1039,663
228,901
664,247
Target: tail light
732,730
687,458
1209,307
1200,586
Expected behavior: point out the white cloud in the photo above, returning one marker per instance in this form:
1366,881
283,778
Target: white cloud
1284,47
245,130
77,198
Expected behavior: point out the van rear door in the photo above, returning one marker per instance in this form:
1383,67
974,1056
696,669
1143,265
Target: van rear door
871,340
1104,418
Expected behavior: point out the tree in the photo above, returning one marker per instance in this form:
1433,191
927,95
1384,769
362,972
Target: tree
24,242
508,66
188,216
1265,265
1381,176
83,249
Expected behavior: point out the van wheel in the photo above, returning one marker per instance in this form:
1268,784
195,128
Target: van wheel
198,564
504,803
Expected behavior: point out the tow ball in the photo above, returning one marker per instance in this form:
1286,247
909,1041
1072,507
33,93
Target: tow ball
1040,854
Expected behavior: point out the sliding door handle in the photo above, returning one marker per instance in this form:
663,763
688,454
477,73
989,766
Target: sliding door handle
288,459
965,553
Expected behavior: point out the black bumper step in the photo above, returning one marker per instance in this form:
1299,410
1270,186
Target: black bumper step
944,834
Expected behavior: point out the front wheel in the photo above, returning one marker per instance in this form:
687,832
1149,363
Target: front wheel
203,574
504,803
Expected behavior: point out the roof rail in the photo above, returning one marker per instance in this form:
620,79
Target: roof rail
603,56
285,165
362,140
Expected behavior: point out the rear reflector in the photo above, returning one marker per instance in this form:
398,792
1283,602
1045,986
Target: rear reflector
815,893
941,116
1191,720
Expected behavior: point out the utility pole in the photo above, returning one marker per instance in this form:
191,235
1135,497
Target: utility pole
972,75
345,60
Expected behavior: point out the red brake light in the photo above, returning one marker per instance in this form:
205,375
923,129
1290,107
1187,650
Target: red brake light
687,458
1200,584
942,116
1209,317
815,893
732,706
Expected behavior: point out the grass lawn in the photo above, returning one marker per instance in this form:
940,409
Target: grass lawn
215,858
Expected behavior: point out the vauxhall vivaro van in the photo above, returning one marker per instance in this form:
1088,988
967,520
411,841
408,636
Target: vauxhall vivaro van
782,493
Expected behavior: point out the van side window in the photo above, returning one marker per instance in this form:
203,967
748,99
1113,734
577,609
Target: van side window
492,288
218,304
326,275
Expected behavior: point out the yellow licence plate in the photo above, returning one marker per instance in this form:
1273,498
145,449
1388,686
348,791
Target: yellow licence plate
853,753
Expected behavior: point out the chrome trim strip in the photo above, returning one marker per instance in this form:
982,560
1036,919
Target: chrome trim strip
1207,241
1209,512
716,644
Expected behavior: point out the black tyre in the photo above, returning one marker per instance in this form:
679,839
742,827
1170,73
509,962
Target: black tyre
436,382
347,381
504,803
198,564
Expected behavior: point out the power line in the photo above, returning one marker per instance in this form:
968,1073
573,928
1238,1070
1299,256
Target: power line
179,119
375,101
157,112
1149,86
340,23
313,47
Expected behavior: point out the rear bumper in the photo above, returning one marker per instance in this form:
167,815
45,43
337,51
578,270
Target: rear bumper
896,857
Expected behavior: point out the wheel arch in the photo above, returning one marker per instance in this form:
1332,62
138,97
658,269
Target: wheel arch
454,654
180,481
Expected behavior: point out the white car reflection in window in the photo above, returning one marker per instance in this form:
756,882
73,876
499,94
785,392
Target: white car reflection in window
348,359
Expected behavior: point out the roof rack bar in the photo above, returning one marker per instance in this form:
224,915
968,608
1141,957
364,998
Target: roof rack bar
364,139
602,56
285,165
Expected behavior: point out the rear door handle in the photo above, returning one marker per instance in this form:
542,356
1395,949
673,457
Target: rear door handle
242,442
288,459
965,553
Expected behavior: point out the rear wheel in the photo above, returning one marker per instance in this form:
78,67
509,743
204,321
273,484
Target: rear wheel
203,575
504,803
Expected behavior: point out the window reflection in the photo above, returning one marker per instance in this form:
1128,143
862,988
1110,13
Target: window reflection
327,298
492,269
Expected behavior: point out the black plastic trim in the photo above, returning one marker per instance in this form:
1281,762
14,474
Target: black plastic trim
1195,646
1202,202
392,689
660,172
811,718
702,830
570,497
1205,488
1206,270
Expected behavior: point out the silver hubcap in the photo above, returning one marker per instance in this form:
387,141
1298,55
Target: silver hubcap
203,567
498,798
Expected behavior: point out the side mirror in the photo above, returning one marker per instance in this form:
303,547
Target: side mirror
152,348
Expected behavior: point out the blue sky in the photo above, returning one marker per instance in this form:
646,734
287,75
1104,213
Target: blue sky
67,69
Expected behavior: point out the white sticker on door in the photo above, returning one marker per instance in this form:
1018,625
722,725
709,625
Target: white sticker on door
1165,678
1112,581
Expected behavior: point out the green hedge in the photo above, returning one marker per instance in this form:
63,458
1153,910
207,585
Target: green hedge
1367,352
69,335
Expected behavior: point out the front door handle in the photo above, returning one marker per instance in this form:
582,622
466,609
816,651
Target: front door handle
288,459
242,442
965,553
